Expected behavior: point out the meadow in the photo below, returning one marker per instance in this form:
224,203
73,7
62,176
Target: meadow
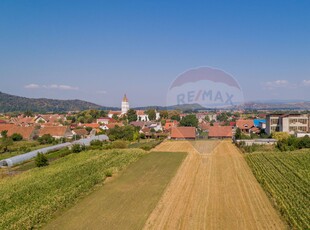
30,199
126,201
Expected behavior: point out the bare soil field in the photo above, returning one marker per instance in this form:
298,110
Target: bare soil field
213,189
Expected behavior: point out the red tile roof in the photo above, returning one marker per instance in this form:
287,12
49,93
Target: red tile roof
220,131
183,133
244,124
26,132
55,131
92,125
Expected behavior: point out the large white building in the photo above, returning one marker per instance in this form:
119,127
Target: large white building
290,123
125,105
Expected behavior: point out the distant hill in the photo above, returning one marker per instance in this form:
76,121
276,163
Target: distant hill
11,103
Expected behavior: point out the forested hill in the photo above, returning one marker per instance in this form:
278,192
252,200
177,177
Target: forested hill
11,103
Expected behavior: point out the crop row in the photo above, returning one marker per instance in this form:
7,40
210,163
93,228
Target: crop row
30,199
285,178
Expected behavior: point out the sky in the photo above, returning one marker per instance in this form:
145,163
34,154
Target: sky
99,50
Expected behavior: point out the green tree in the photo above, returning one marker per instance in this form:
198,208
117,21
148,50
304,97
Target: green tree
175,117
4,133
238,134
164,114
46,139
132,115
152,114
17,137
28,113
189,120
115,117
5,143
41,160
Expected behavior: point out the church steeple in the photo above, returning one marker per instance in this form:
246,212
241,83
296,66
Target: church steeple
125,104
125,99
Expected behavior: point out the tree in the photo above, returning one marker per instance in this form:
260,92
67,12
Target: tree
4,133
115,117
46,139
238,134
164,114
16,137
189,120
175,117
152,114
132,115
41,160
280,135
28,113
76,148
5,143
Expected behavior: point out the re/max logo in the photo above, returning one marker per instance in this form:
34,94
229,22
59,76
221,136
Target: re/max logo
203,95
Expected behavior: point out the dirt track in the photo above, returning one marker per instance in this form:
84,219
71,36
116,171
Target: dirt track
213,189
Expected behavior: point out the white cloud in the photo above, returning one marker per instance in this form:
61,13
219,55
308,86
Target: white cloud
32,86
101,92
53,86
270,85
306,82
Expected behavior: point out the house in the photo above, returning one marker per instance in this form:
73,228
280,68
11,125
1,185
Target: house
105,120
260,123
91,125
139,124
3,122
56,131
116,113
170,123
110,126
142,116
80,132
204,126
220,132
245,125
290,123
154,125
183,133
26,132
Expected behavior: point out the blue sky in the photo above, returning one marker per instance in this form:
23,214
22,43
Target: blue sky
99,50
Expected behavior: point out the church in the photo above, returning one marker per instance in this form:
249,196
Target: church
124,108
141,115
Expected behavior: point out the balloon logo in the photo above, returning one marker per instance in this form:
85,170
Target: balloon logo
208,87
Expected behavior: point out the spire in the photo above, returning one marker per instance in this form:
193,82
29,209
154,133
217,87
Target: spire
125,99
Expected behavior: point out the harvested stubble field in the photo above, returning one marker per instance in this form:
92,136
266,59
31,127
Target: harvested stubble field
213,189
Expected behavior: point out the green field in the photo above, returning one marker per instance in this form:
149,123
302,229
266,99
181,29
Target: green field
286,179
20,147
33,197
127,200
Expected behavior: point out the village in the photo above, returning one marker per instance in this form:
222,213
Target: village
150,123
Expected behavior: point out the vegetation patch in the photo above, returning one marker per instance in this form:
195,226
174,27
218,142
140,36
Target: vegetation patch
128,200
286,179
30,199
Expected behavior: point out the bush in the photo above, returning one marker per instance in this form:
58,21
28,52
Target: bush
46,139
17,137
119,144
96,143
76,148
41,160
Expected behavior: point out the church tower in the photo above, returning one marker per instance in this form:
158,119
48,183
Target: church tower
125,104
